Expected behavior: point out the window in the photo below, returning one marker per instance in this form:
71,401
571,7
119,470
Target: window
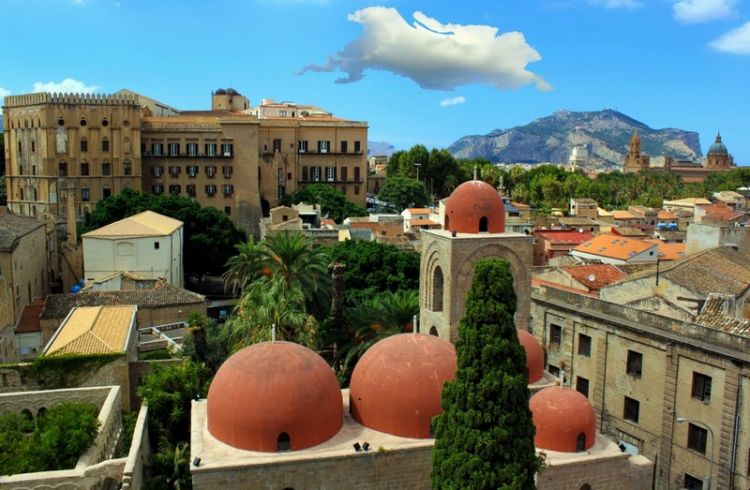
227,171
635,364
584,345
83,122
62,169
581,442
304,174
356,190
302,146
210,170
127,169
553,370
697,438
555,334
344,173
174,170
632,407
85,196
156,245
210,190
173,149
84,168
157,189
105,123
20,148
323,146
284,442
156,149
437,289
106,168
228,210
192,171
330,174
344,147
582,386
210,149
276,145
106,193
227,149
692,483
192,149
84,145
227,189
33,146
315,173
105,144
701,387
174,190
483,224
356,174
156,171
190,189
357,147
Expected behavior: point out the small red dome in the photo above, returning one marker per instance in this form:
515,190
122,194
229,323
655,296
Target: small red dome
473,207
534,355
272,396
564,418
396,386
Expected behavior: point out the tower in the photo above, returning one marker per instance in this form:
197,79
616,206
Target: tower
473,228
635,161
718,156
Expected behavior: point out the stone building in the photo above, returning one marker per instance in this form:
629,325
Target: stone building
635,161
24,273
473,228
61,146
660,384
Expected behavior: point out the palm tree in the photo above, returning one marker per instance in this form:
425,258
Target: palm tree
245,267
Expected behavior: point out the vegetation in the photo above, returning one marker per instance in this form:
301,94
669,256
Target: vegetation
403,192
333,203
62,371
209,234
485,437
54,440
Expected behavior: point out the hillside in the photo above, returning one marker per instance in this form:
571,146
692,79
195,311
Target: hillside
606,134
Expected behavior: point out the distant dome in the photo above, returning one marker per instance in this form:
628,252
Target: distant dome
272,396
220,91
231,91
718,148
475,206
396,386
564,418
534,355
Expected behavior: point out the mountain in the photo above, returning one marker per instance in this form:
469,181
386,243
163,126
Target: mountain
605,133
379,148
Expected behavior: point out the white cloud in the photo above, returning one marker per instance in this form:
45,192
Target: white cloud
694,11
3,93
66,86
436,56
452,101
616,4
736,41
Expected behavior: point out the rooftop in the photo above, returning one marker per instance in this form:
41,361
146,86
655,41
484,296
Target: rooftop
145,224
595,276
619,214
94,330
614,246
163,294
13,227
564,236
29,321
716,313
669,250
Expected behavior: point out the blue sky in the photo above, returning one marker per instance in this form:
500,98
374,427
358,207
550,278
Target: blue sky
418,72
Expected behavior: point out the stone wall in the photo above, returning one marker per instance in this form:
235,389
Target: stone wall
602,474
139,455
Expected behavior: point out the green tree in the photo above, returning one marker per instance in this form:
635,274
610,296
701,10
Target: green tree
332,202
209,234
403,192
246,266
485,437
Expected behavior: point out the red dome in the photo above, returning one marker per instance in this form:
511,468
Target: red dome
561,416
475,206
397,384
274,394
534,355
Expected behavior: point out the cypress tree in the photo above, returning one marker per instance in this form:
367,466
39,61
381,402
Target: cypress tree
485,437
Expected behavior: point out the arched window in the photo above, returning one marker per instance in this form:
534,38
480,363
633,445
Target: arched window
284,442
585,486
433,331
581,442
41,412
105,144
84,144
437,289
483,224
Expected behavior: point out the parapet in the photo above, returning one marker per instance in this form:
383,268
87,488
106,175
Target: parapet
67,98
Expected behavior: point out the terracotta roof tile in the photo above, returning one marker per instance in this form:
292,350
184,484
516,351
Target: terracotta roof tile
94,330
13,227
669,250
147,223
716,314
29,321
613,246
564,236
595,276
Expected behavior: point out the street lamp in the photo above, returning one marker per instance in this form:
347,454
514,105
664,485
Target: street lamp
707,484
417,165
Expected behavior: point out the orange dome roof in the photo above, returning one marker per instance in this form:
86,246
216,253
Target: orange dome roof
475,206
561,416
273,392
396,385
534,355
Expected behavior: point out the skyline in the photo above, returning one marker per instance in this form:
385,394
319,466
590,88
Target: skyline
418,73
